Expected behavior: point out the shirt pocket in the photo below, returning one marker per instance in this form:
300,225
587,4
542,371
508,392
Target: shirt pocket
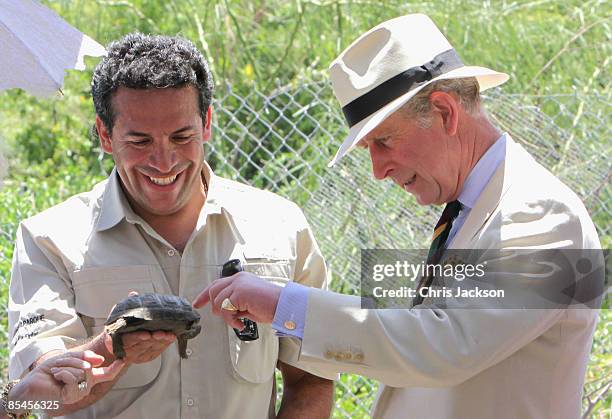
254,361
96,291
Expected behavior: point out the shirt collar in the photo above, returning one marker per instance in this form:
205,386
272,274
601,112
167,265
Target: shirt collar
115,206
482,172
112,205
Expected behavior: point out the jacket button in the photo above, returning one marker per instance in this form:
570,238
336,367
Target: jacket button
340,356
328,354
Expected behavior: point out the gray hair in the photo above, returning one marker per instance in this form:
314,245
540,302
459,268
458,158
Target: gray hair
467,90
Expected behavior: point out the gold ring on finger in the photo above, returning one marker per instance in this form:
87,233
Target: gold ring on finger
227,305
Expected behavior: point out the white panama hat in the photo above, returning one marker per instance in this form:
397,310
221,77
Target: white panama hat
385,67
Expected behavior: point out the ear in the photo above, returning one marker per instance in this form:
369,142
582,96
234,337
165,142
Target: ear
104,135
447,107
207,125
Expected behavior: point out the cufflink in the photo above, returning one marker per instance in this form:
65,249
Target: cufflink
289,325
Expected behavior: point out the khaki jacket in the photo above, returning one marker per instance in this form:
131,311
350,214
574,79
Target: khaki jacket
74,261
488,363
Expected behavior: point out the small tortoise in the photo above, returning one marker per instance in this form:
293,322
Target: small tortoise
153,312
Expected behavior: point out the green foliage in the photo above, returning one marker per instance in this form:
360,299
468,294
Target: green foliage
559,46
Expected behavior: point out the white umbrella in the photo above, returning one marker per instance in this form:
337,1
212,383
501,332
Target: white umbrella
37,46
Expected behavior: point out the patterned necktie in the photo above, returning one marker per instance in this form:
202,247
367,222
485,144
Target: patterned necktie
438,242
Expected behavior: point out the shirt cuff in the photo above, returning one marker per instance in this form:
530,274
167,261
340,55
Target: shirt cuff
24,355
290,314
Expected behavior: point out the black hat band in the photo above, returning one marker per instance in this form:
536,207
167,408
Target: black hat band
398,85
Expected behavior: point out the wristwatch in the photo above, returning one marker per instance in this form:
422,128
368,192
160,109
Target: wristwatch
4,399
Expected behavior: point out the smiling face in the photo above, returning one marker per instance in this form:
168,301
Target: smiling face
423,161
157,145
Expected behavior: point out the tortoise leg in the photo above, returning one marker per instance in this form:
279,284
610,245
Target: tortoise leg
118,346
192,332
182,345
112,330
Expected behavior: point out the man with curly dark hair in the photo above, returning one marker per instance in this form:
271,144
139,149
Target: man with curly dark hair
162,222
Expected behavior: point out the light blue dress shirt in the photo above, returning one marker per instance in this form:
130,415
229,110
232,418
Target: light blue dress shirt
293,302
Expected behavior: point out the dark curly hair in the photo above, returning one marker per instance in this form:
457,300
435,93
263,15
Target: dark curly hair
141,61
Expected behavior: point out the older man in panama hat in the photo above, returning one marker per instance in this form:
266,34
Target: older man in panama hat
415,107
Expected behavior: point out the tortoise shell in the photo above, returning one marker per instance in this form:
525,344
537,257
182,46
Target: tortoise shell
153,312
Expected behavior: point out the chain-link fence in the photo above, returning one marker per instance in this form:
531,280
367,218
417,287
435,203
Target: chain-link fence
283,141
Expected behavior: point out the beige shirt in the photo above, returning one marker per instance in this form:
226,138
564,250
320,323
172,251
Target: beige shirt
74,261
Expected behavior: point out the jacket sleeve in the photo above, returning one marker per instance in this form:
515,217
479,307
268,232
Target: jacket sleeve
310,271
433,346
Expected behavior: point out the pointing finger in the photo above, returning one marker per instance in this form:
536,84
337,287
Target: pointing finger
211,291
202,299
